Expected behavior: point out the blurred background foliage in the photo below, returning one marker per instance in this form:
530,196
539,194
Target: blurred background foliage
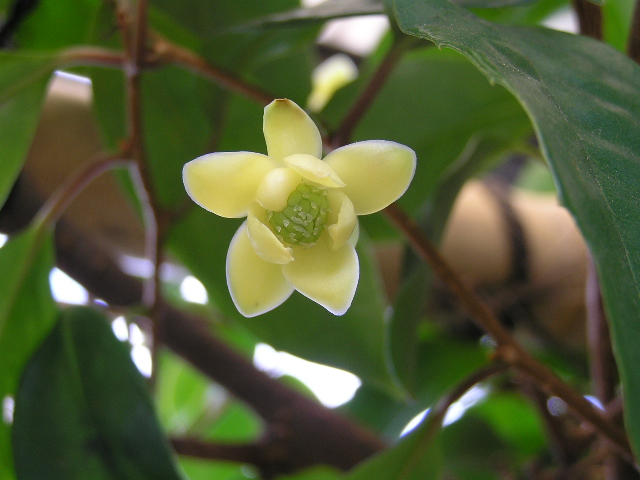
509,120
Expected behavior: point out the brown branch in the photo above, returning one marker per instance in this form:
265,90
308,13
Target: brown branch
166,52
242,453
507,347
589,18
633,45
55,206
368,95
134,36
96,56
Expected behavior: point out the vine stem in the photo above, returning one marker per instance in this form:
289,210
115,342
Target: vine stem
133,29
97,56
507,348
166,52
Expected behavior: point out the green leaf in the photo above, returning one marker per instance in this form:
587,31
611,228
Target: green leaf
314,473
27,312
416,456
58,24
408,311
492,3
584,100
181,394
83,410
616,17
514,420
23,81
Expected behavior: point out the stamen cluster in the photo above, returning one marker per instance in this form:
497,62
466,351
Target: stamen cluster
303,219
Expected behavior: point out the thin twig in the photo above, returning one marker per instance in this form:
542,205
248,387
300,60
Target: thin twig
433,422
166,52
97,56
368,95
242,453
507,347
135,44
64,195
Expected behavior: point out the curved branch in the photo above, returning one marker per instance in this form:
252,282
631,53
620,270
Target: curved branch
508,349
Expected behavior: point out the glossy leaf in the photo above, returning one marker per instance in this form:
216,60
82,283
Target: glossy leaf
584,100
23,81
83,410
27,312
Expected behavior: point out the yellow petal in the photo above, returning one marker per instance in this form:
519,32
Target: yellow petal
314,169
327,277
376,172
275,188
342,218
288,130
264,242
256,286
225,183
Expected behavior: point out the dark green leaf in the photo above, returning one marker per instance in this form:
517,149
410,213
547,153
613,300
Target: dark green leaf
416,456
528,13
409,310
23,81
177,127
58,24
584,99
83,410
317,14
473,451
27,312
492,3
514,420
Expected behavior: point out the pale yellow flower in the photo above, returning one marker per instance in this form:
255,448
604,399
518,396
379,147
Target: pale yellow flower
301,224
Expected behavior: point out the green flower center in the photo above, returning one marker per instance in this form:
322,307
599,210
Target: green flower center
304,218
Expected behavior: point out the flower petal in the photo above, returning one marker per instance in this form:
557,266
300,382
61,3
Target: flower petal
288,130
225,183
341,220
264,242
314,169
275,188
327,277
256,286
376,172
